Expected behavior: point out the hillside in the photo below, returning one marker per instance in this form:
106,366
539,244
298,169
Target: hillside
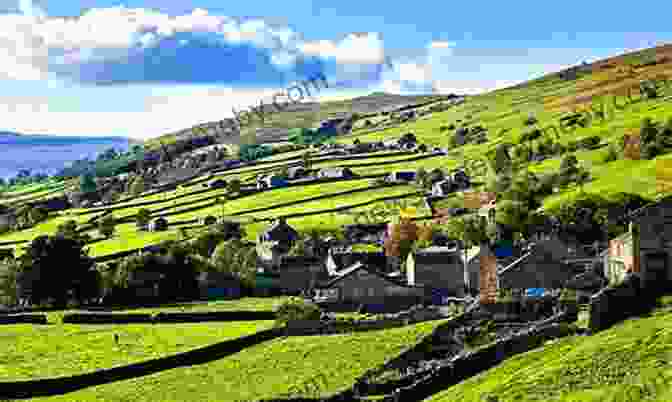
305,114
630,358
629,362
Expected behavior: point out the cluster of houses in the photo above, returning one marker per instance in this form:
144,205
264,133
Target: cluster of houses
447,271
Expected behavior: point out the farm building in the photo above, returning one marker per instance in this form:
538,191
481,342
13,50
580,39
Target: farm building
437,268
158,225
335,173
218,183
271,181
296,172
401,177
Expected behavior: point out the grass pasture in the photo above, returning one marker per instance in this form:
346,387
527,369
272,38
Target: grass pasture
295,366
55,350
629,362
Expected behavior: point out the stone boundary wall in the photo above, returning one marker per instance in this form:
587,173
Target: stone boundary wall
61,385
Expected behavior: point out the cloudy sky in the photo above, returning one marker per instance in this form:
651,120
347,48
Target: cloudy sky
146,67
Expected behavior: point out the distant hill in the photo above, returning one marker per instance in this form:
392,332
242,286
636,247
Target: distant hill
305,114
49,153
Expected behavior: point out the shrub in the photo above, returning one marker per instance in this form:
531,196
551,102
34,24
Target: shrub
612,154
142,218
531,120
106,226
589,142
530,135
296,309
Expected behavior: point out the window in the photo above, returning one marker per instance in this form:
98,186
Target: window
372,292
356,292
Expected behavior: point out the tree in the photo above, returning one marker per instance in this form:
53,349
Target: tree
236,258
401,236
87,183
307,162
142,218
67,229
612,154
106,226
296,309
501,160
569,166
421,177
233,186
60,269
9,273
137,187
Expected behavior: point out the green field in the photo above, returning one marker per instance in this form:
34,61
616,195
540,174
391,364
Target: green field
629,362
295,366
44,351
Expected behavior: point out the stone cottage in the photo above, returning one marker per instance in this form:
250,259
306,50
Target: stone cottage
339,261
335,173
438,269
651,231
619,258
544,266
299,274
366,286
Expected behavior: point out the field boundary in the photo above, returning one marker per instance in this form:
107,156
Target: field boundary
62,385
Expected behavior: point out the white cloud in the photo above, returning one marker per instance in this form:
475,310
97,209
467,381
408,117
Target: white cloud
355,48
441,45
112,34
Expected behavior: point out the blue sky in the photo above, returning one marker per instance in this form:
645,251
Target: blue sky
91,67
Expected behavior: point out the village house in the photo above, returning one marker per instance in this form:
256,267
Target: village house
158,225
459,180
337,262
217,183
650,229
300,274
275,242
361,285
335,173
401,177
544,266
437,269
296,172
271,181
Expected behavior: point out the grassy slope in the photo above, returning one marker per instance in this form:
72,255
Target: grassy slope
501,112
623,363
308,366
34,351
